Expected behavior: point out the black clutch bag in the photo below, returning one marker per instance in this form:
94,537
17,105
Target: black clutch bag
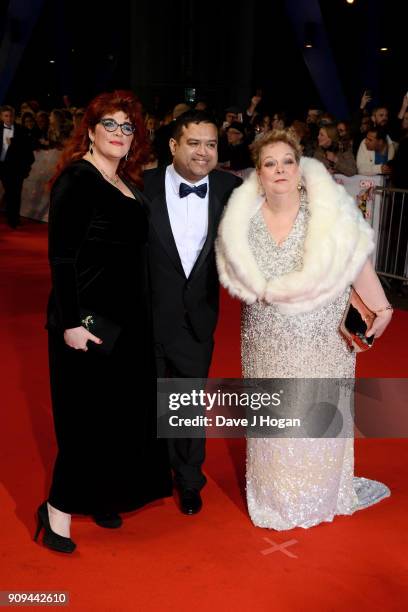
105,329
356,320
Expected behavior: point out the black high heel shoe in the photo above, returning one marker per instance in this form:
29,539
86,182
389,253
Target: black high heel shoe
51,540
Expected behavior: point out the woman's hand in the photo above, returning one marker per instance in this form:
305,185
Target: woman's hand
369,288
380,323
77,338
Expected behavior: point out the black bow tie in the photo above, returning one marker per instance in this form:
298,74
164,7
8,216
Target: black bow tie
185,190
6,127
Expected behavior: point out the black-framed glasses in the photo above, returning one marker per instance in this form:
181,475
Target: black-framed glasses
111,125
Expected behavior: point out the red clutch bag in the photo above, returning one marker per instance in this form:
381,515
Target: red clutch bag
356,320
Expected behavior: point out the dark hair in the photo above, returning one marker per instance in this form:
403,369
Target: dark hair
78,144
27,115
236,125
190,116
380,132
327,119
346,123
281,116
379,107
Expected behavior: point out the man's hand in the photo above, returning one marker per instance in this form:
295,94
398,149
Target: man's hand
386,169
365,99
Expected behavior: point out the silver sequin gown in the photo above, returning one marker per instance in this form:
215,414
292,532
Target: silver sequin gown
305,481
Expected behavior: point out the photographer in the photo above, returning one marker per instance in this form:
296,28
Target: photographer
336,158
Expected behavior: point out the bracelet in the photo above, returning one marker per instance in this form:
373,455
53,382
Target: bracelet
388,307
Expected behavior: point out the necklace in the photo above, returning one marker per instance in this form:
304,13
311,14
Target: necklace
112,179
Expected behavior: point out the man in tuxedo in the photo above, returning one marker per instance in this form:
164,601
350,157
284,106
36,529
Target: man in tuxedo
16,159
186,202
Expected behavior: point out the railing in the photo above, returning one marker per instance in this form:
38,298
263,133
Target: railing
392,249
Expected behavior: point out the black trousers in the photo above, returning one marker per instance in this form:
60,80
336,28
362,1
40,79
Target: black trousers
13,186
185,357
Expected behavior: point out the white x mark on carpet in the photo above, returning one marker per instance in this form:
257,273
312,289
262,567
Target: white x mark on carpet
282,547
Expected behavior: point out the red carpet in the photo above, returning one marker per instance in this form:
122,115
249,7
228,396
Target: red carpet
160,559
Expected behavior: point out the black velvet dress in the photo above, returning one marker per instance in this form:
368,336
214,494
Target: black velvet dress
104,407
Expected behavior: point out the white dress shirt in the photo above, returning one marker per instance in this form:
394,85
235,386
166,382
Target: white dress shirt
188,218
7,133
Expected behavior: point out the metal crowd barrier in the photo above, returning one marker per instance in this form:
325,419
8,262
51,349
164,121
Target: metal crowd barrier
392,251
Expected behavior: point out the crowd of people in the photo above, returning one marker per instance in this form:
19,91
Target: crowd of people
137,248
22,136
372,142
367,144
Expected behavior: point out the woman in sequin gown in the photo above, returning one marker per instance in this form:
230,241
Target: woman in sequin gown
292,330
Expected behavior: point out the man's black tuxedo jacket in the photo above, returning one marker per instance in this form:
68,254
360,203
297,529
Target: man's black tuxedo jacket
19,156
175,298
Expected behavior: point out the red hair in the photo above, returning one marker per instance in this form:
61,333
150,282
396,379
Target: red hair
78,144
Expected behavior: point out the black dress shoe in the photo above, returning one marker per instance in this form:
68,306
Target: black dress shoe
190,501
51,540
108,520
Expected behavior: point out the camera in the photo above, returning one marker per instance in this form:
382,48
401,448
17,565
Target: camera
190,94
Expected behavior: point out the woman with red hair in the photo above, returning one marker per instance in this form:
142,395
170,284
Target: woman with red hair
100,343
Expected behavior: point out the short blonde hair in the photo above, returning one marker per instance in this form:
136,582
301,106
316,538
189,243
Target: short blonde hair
288,136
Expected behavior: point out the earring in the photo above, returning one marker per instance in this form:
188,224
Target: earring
300,186
260,189
90,147
126,156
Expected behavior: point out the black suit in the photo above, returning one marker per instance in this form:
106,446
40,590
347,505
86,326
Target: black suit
185,310
14,169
